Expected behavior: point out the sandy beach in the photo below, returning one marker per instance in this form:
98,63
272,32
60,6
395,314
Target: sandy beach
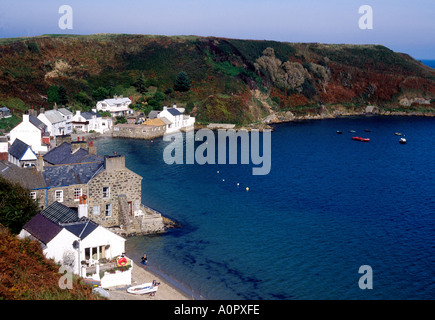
141,274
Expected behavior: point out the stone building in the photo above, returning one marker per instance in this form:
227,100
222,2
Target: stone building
114,192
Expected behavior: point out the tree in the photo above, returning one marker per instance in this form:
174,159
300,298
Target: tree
156,101
140,84
100,94
63,97
182,82
16,206
53,94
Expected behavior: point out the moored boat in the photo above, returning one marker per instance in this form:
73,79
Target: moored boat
361,139
398,134
339,132
402,140
143,288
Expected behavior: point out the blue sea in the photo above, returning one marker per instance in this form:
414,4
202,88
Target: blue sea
430,63
328,206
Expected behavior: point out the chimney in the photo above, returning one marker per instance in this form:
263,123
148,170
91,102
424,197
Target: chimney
40,163
113,163
25,118
55,106
92,149
83,207
165,108
41,110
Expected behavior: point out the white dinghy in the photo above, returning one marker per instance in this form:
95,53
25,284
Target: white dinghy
143,288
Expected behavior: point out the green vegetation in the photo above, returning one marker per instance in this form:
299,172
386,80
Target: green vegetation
16,206
194,71
182,82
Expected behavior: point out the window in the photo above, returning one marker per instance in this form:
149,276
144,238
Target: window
108,210
33,195
106,192
77,194
58,196
96,210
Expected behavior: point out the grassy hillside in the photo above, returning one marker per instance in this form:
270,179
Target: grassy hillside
238,81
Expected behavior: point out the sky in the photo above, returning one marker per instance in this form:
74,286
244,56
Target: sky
402,25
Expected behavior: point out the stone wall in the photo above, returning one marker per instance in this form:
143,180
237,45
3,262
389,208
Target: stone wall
121,182
137,131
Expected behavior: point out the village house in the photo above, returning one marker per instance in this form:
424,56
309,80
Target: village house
71,239
118,106
21,154
177,120
5,112
4,148
33,132
68,117
55,122
90,121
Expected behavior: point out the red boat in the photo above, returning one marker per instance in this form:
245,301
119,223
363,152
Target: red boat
361,139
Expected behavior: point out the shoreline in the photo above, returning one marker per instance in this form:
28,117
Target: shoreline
168,289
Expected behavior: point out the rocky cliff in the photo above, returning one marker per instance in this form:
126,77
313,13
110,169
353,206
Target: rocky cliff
232,81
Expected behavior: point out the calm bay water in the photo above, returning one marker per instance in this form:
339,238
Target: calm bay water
328,206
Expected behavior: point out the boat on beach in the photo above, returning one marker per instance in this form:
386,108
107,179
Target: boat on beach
143,288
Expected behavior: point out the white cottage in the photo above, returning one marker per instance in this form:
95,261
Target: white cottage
31,131
55,122
21,154
91,121
118,106
76,242
175,119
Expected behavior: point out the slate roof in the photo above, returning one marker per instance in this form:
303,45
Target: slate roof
62,155
89,115
81,229
60,213
65,112
29,178
66,175
174,111
42,228
53,116
45,225
114,102
37,123
18,148
153,114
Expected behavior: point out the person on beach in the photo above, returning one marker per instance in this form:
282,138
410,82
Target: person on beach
144,259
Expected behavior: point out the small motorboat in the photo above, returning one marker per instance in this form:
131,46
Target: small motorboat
339,132
361,139
352,131
143,288
398,134
367,130
103,293
402,140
